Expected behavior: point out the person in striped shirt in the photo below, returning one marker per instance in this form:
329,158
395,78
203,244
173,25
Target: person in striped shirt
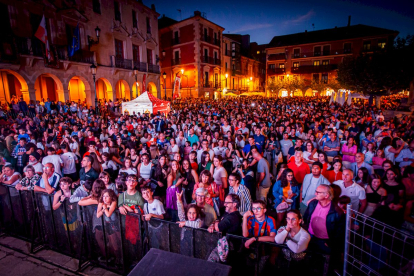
240,190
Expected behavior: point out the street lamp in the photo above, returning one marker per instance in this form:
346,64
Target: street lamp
91,41
136,78
227,75
164,75
93,70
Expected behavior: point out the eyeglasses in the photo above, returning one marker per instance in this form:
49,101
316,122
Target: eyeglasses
230,179
317,192
257,209
225,203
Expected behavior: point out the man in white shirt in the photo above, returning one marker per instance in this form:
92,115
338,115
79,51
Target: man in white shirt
352,190
204,147
406,156
53,158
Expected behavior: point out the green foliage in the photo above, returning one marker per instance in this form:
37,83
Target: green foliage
385,71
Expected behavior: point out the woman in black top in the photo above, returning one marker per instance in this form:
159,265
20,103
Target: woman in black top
191,177
393,185
375,194
159,174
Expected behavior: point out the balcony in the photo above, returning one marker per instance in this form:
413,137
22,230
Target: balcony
176,61
323,53
153,68
307,69
211,60
82,56
121,63
142,66
175,41
276,71
216,42
281,56
206,38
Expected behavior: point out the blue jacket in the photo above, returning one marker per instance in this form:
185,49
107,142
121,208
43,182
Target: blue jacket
278,193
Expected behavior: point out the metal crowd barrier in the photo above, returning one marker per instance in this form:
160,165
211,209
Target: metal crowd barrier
375,248
118,243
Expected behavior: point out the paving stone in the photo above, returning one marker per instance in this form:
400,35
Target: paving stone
65,272
53,257
34,260
72,264
49,266
19,255
7,250
94,271
110,273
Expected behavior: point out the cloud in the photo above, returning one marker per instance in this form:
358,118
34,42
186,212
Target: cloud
249,27
300,19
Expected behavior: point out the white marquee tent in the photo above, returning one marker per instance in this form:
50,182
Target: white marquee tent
146,103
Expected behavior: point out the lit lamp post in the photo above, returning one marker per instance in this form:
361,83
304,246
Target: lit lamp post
227,75
251,78
136,79
164,75
93,70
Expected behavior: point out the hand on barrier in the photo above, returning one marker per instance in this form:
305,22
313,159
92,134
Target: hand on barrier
249,242
181,223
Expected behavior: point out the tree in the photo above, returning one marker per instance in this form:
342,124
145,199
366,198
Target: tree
288,83
321,86
385,71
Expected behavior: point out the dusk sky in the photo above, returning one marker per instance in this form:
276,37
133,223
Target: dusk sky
263,19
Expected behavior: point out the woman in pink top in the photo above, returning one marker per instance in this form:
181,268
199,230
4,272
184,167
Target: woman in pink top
349,150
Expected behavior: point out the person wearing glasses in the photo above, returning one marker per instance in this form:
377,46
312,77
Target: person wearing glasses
231,221
245,200
325,221
257,226
131,200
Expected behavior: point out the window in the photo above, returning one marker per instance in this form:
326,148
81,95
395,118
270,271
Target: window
206,79
316,78
382,43
148,25
119,49
205,34
347,48
325,62
215,38
225,66
367,45
177,56
326,50
205,55
134,19
316,63
317,51
96,6
176,38
271,66
225,47
296,64
324,78
216,80
296,53
135,53
117,11
281,65
149,56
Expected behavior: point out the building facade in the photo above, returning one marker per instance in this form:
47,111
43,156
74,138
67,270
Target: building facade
191,49
116,36
312,58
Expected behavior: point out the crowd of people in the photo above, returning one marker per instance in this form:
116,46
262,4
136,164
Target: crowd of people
274,170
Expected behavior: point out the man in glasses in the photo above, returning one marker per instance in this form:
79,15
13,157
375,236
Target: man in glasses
325,221
257,226
231,221
204,147
241,191
208,211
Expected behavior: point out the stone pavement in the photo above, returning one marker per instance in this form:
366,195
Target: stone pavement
12,262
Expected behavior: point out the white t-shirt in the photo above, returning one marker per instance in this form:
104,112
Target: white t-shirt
7,178
156,208
129,171
306,156
354,192
218,174
69,161
55,160
74,147
38,167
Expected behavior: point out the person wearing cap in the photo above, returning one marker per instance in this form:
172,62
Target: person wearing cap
208,211
53,158
309,185
34,158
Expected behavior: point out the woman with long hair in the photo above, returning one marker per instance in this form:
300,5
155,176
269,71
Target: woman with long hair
363,177
375,194
336,173
96,192
191,177
128,168
349,150
174,181
65,191
323,158
391,151
310,154
106,178
114,152
159,174
95,164
392,184
206,181
285,192
205,163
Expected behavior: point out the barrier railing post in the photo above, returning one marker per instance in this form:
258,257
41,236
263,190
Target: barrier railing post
67,227
347,237
105,240
12,209
82,265
24,215
53,219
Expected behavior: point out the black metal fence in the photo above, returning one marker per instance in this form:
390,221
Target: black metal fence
119,242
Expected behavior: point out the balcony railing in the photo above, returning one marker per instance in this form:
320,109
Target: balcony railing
216,42
206,38
276,71
176,61
211,60
142,66
175,41
83,56
281,56
122,63
152,68
305,69
323,53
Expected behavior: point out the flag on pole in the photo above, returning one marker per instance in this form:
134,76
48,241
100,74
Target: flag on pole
41,34
176,90
75,42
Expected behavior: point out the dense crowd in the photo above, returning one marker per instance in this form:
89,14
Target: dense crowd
274,170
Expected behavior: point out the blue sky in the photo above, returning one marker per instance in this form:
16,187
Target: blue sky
263,19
